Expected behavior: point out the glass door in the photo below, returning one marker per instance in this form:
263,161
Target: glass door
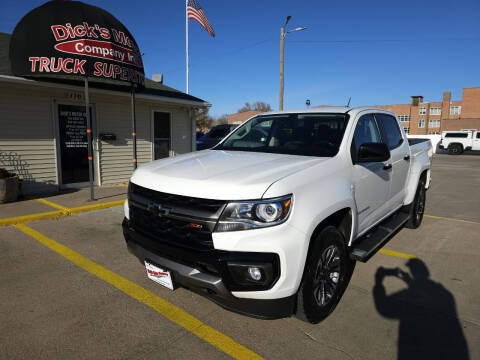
72,126
161,135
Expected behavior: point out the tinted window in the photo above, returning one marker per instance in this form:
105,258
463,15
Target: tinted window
391,131
219,133
294,134
161,135
456,135
161,125
478,135
365,132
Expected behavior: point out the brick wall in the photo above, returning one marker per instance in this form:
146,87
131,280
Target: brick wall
469,117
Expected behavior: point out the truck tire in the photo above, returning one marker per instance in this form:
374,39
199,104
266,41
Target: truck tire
455,149
328,270
417,207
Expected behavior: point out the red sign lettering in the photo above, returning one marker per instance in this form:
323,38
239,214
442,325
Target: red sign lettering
119,37
64,65
78,66
59,32
33,60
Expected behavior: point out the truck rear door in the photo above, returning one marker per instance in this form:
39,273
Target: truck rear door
399,160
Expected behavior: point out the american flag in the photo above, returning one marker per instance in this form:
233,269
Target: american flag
195,12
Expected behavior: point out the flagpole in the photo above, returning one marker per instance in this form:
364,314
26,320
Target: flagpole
186,34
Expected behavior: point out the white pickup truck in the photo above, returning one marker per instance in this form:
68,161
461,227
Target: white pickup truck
270,222
456,142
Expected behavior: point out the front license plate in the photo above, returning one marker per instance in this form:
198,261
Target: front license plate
159,275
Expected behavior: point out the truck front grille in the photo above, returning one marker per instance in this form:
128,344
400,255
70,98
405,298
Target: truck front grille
186,222
202,207
171,231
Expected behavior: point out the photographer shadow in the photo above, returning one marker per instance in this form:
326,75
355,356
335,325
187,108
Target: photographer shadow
429,326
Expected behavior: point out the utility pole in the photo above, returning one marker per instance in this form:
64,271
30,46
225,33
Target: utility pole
282,54
284,33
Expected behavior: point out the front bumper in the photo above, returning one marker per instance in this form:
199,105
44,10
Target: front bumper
206,273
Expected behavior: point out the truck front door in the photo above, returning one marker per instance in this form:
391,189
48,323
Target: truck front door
476,141
371,180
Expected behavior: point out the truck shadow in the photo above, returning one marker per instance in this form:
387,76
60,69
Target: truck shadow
429,327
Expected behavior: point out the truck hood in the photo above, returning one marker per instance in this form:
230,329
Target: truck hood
223,175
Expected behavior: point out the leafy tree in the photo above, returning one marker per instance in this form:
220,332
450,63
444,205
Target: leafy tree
259,106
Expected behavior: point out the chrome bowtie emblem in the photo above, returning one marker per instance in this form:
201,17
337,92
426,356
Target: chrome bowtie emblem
158,209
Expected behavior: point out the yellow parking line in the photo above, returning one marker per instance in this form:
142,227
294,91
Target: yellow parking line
100,206
396,254
32,217
122,185
166,309
52,204
59,213
451,219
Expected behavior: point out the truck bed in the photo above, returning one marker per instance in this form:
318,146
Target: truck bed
418,146
414,141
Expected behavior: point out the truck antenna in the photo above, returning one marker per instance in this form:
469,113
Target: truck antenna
348,104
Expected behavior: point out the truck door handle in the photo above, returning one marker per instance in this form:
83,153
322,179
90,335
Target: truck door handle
406,158
387,166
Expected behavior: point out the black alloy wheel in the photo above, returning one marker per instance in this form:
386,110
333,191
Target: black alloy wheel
325,280
327,273
455,149
417,208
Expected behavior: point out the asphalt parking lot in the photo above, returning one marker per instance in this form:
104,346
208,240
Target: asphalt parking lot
70,290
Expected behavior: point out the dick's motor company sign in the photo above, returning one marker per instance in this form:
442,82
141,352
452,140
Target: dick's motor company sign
103,49
95,42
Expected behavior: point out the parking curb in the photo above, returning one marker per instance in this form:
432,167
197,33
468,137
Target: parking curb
32,217
58,213
101,206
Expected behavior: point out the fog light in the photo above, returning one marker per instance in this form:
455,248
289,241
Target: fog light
254,273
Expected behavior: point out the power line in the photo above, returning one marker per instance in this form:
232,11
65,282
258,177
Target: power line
382,40
221,55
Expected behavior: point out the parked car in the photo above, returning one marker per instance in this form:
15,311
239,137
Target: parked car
456,142
271,221
214,136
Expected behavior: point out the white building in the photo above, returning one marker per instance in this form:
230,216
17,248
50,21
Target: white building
42,125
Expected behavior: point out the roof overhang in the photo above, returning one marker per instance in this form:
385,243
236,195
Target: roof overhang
56,85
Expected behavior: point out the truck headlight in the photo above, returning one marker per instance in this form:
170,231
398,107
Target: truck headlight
245,215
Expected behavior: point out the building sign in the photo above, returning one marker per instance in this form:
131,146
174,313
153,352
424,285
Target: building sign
72,126
73,38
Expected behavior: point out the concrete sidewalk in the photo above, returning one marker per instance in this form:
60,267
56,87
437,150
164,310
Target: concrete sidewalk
61,204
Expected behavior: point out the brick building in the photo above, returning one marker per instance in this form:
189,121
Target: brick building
421,118
239,118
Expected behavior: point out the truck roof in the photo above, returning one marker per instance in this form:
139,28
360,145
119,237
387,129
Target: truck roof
329,109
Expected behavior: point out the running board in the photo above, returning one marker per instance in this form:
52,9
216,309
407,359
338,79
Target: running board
365,247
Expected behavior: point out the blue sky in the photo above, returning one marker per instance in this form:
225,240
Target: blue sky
377,52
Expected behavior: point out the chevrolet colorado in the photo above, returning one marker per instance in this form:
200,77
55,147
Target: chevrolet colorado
271,221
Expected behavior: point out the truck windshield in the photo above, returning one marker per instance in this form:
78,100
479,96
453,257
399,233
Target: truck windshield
312,134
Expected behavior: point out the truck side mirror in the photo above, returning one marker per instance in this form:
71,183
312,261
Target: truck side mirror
373,152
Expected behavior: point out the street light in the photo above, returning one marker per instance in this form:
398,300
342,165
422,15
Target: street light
282,47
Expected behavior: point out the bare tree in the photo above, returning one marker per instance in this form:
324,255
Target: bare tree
221,120
258,106
204,120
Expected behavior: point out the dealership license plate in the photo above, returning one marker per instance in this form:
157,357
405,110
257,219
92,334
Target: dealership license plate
159,275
